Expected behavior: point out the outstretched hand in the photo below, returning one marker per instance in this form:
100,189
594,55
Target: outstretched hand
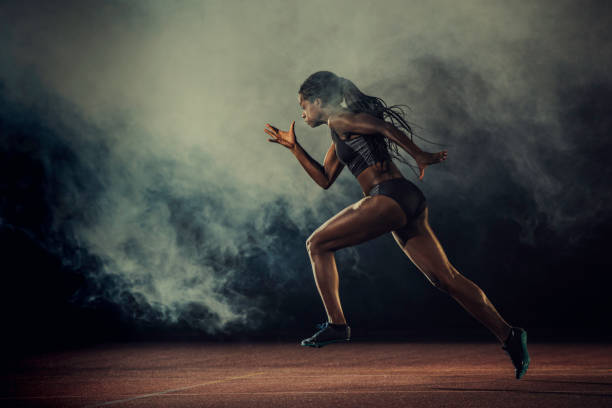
281,137
430,158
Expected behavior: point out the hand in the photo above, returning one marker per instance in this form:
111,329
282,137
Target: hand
286,139
429,158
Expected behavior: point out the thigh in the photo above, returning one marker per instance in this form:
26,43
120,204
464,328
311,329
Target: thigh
423,248
368,218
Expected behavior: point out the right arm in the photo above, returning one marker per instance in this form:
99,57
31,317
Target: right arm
324,175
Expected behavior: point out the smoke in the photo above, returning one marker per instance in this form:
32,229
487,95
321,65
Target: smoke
146,119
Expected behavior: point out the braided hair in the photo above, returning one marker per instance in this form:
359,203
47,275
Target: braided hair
332,89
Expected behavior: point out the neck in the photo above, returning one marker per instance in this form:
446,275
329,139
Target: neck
327,113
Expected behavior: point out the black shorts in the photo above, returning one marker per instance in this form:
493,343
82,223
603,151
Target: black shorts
409,197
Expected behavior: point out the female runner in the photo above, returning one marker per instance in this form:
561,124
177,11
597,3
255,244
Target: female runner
363,131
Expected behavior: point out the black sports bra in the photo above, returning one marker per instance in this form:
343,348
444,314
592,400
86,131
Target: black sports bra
360,152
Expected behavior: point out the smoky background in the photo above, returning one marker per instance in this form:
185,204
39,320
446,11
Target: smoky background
140,197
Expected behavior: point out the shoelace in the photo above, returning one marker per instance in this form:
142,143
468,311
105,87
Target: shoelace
322,326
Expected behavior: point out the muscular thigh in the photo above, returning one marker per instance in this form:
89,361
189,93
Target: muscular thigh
368,218
424,249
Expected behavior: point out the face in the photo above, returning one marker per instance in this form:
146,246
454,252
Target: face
311,111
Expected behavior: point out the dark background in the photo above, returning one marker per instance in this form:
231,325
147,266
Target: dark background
88,191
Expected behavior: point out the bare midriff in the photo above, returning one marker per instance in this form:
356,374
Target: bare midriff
373,175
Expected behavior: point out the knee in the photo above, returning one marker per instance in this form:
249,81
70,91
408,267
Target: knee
315,245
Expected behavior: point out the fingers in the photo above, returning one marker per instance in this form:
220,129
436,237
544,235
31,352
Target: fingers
422,173
292,127
441,156
275,129
276,134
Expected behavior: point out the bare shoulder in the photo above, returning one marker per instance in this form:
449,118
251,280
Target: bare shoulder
341,120
349,123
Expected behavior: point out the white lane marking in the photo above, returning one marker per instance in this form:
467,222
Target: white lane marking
155,394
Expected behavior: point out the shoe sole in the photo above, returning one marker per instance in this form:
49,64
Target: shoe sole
324,343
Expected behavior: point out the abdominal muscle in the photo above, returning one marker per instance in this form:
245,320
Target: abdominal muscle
374,175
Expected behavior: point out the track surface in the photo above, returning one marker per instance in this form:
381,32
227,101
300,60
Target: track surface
288,375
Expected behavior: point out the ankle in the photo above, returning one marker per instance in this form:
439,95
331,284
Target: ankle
507,335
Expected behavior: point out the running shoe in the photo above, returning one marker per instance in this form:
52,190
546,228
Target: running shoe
328,334
516,347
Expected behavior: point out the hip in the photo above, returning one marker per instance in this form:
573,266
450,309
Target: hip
399,183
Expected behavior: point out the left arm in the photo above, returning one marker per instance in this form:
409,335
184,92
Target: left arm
365,124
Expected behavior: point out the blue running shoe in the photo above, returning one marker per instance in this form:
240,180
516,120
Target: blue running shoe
328,334
516,347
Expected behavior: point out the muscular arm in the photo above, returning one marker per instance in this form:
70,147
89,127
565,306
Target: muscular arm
364,124
324,175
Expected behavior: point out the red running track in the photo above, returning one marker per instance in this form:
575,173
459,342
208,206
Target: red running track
288,375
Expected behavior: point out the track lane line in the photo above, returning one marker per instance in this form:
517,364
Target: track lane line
155,394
